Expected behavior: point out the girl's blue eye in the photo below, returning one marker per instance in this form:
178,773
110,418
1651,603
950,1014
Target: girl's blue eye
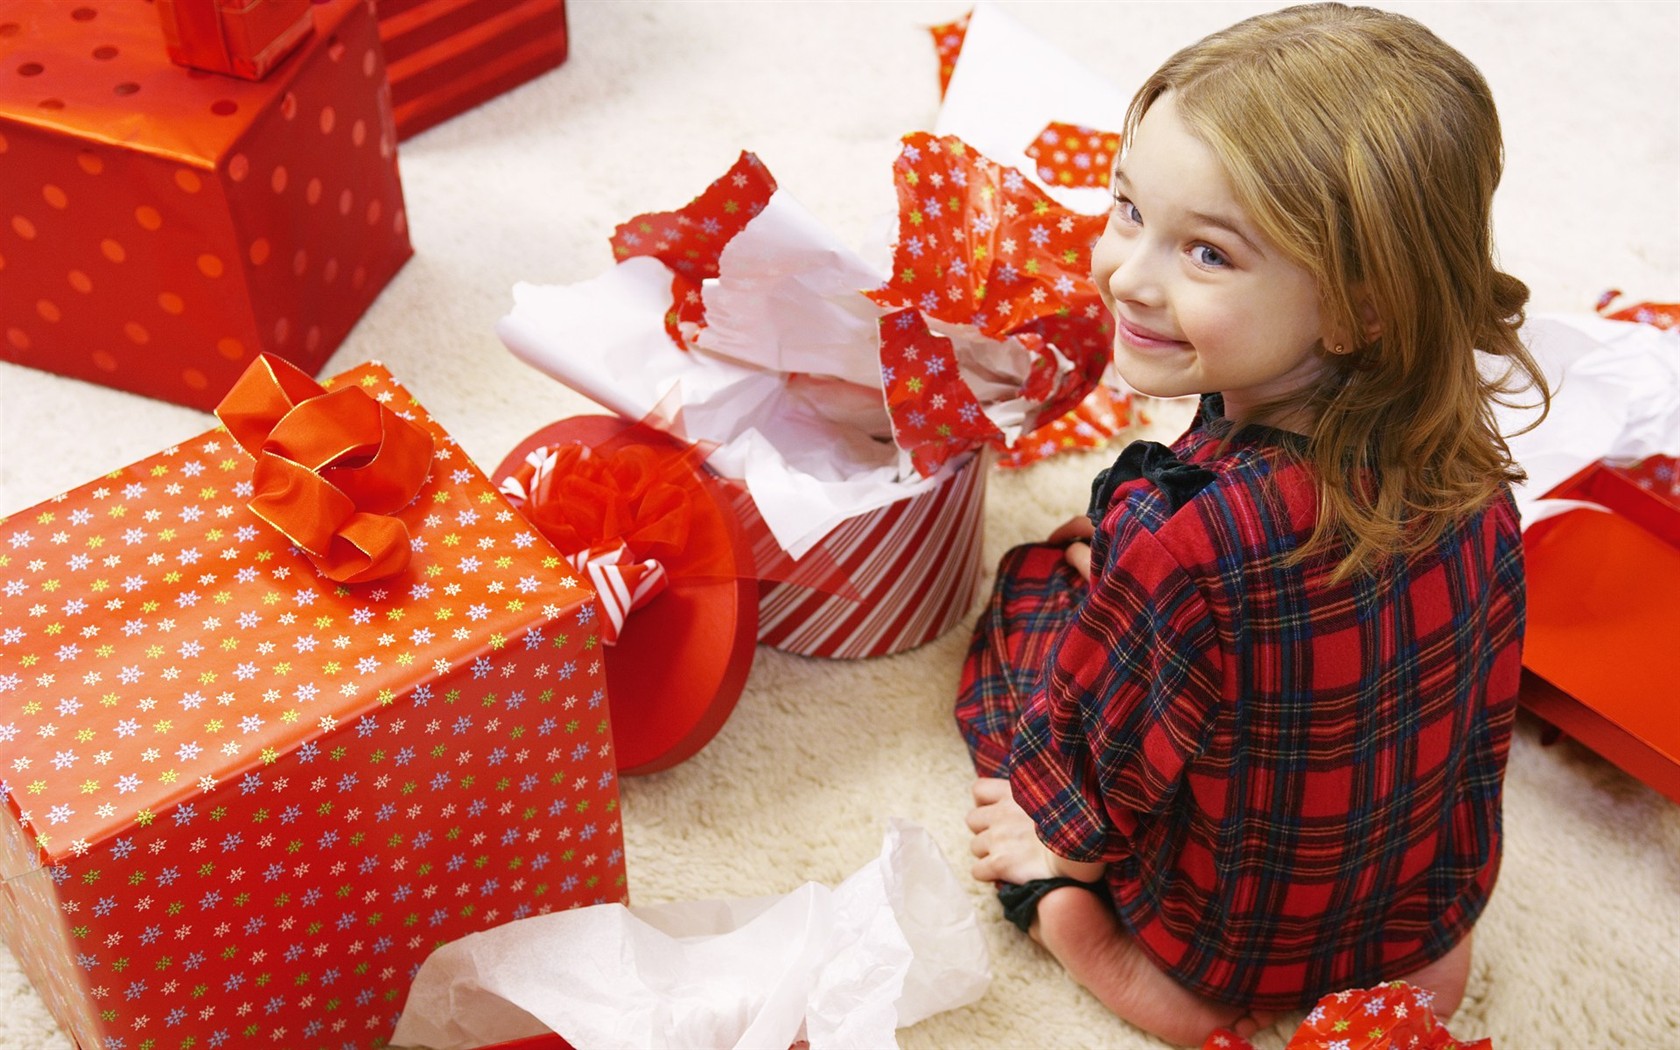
1127,211
1207,255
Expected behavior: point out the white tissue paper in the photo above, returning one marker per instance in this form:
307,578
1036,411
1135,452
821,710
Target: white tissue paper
896,942
1615,395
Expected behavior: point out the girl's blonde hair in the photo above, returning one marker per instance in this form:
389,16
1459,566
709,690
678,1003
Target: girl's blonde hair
1368,150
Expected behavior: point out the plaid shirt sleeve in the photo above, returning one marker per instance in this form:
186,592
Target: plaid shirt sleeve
1133,685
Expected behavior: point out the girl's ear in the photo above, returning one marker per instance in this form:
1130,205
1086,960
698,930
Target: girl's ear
1370,324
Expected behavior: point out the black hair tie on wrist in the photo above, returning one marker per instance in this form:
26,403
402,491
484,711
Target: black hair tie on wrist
1020,901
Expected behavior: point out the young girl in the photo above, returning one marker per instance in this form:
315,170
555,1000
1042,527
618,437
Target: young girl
1242,733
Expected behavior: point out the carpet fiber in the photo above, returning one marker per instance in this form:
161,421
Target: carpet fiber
1578,945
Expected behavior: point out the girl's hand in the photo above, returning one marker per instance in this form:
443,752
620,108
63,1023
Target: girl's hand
1004,839
1007,845
1078,552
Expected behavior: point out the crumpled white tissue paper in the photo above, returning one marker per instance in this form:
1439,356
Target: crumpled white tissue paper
896,942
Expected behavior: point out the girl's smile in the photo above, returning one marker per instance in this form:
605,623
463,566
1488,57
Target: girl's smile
1142,337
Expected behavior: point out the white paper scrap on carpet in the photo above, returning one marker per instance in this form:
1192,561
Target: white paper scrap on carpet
896,942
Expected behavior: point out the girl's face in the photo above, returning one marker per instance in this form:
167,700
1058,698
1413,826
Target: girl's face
1201,301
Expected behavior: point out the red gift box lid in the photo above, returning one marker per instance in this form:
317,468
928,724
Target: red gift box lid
1602,622
681,660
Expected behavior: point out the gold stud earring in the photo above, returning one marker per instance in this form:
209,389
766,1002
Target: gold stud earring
1338,349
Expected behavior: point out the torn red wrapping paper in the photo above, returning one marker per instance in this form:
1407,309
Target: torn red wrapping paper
1393,1016
948,41
690,239
1659,315
978,244
854,404
1074,155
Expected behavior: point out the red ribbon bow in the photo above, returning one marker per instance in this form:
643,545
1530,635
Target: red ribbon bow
332,467
617,515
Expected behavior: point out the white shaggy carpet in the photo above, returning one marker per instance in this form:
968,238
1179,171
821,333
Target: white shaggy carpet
1579,946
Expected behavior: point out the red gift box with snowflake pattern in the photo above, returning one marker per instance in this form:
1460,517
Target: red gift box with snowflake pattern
162,226
244,802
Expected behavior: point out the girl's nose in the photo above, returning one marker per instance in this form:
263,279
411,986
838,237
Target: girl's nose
1131,275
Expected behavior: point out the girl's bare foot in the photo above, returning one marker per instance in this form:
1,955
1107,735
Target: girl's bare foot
1445,979
1084,935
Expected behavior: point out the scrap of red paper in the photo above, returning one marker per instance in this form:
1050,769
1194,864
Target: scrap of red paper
948,41
691,239
1074,155
979,245
1660,315
1393,1016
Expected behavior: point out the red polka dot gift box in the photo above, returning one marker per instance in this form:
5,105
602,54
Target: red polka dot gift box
283,708
160,226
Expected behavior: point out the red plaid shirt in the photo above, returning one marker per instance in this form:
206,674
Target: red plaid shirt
1295,783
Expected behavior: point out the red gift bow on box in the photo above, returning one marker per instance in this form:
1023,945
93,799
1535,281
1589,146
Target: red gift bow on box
617,515
332,468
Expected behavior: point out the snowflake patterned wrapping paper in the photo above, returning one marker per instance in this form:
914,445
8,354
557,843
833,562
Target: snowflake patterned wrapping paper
978,245
1393,1016
243,803
168,225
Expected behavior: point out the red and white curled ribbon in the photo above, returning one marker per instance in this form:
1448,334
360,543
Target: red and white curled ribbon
621,583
